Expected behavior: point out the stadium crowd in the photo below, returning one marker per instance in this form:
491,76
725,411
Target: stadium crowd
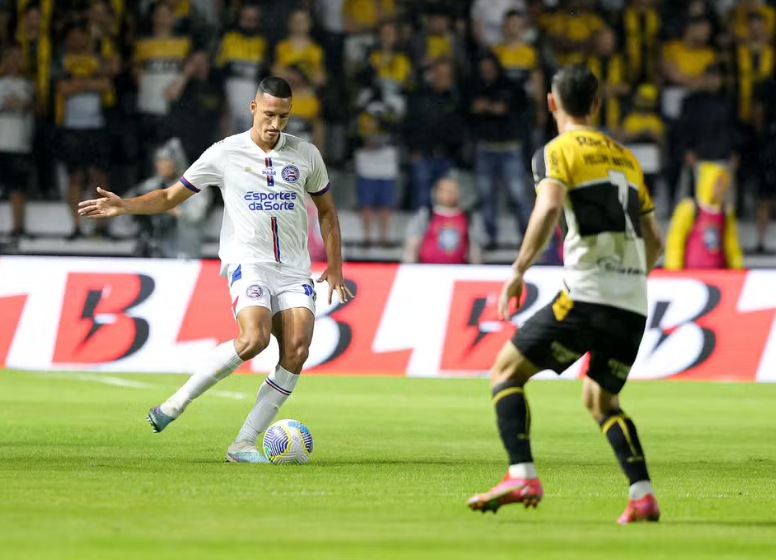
400,92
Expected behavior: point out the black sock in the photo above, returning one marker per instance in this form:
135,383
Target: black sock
621,433
514,421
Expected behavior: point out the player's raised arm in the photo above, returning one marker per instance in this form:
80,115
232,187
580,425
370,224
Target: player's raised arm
155,202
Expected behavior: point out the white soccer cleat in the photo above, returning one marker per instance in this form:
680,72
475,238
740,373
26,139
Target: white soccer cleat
244,452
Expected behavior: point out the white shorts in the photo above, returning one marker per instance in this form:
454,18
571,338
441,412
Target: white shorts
260,285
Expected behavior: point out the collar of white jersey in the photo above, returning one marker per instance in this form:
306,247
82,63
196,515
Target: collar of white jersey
281,142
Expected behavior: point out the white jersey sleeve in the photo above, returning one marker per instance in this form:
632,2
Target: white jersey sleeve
207,171
318,180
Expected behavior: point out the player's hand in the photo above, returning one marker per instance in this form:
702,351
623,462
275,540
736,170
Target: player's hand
108,206
513,288
333,275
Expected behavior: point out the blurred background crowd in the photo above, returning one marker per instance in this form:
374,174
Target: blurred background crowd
426,111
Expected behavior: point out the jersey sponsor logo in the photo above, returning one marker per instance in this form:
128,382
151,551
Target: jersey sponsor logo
254,291
290,173
268,172
259,201
611,264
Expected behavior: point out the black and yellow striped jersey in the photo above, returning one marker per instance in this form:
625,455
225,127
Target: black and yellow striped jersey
604,252
242,56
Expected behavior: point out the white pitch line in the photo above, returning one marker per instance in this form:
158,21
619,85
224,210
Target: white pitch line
122,382
229,395
96,378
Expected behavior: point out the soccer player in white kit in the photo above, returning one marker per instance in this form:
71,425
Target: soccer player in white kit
263,175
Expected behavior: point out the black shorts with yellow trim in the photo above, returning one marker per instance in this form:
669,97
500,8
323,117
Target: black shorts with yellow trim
563,331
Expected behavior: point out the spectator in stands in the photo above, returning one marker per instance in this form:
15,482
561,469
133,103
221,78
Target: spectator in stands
83,86
197,114
387,67
242,61
754,63
17,98
300,49
765,125
521,63
684,63
444,234
361,19
643,131
739,18
571,31
433,130
305,119
608,65
487,20
377,159
437,40
37,53
641,30
707,112
180,231
494,108
103,32
159,61
703,233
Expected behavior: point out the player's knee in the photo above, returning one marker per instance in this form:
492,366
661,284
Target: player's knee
295,353
251,344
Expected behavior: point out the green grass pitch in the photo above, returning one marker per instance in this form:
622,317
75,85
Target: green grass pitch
82,476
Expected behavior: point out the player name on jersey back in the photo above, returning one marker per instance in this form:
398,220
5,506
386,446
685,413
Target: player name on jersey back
604,252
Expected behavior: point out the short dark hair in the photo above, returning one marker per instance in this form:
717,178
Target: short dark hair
577,88
514,13
275,86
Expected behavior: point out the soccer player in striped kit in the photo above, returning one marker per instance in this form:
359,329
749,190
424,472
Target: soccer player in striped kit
263,175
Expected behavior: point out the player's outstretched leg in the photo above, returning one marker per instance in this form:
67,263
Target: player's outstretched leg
624,439
293,329
255,325
520,484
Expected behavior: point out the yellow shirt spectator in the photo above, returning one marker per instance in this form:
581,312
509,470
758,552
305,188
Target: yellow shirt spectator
391,66
569,32
740,21
689,61
641,36
366,14
309,58
518,60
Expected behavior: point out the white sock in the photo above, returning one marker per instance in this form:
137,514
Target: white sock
277,387
525,471
640,489
220,364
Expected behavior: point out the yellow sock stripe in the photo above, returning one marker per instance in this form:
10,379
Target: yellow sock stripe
620,420
611,421
527,418
506,392
624,427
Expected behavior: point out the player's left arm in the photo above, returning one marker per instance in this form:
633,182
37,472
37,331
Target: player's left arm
549,205
551,177
332,239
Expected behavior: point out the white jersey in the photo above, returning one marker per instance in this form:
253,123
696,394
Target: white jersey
265,219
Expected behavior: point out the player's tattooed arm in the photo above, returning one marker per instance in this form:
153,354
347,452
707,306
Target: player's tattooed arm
332,239
155,202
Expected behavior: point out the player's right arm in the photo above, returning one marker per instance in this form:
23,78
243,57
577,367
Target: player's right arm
154,202
206,171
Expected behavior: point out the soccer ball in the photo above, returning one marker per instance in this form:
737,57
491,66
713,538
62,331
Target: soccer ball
288,441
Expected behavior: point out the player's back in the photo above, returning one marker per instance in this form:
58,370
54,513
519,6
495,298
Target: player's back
604,252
